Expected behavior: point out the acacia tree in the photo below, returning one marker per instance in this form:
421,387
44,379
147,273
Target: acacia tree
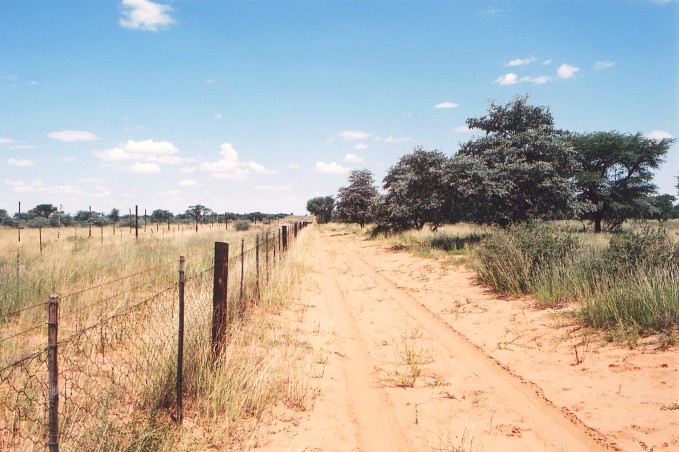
321,207
615,175
42,210
417,191
356,202
197,212
520,170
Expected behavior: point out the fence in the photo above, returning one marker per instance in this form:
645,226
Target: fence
110,366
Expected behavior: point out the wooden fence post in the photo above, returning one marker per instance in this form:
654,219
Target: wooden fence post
241,300
285,237
53,372
219,296
180,344
136,222
266,254
257,288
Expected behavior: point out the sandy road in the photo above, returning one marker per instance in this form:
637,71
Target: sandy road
395,376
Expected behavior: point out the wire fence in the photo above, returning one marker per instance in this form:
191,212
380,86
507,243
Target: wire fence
114,355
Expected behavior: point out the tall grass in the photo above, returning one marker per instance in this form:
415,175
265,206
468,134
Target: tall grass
628,283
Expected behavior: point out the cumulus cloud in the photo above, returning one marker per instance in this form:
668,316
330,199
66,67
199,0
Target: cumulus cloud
187,183
148,151
447,105
38,186
602,65
145,15
567,71
4,140
352,135
145,168
509,78
520,61
360,146
539,80
353,158
294,166
229,166
392,139
331,168
20,162
73,135
659,134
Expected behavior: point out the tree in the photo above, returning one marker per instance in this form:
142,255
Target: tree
197,212
114,215
42,210
417,191
520,170
662,207
322,207
161,216
356,203
615,175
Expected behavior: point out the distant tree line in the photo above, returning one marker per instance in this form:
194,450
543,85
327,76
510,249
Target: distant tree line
522,168
47,215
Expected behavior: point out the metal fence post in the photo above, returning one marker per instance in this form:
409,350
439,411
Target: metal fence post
53,372
219,296
180,344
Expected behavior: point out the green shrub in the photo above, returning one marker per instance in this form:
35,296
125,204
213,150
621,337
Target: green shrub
242,225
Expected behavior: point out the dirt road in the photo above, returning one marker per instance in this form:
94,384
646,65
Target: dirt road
396,373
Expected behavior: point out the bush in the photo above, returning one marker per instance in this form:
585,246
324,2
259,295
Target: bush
516,259
242,225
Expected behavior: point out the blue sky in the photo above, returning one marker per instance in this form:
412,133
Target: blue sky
261,105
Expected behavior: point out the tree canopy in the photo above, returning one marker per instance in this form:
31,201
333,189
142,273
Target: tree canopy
615,175
321,207
522,168
356,202
417,191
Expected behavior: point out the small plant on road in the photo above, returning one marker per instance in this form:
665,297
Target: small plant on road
410,355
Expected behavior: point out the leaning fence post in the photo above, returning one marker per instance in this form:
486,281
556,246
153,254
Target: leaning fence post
180,344
53,372
219,296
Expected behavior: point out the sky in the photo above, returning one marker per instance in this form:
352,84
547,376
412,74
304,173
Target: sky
261,105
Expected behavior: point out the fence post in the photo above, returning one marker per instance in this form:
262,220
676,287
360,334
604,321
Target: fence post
136,222
266,254
257,288
219,296
180,344
285,237
53,372
241,301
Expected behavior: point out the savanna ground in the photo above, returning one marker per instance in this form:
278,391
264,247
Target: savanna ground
359,344
410,353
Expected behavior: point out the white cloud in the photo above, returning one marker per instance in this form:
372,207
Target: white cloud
4,140
145,168
539,80
331,168
546,62
352,135
520,61
218,117
360,146
353,158
73,135
659,134
209,82
294,166
272,188
392,139
187,183
604,64
162,152
145,15
38,186
509,78
567,71
447,105
20,162
230,167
